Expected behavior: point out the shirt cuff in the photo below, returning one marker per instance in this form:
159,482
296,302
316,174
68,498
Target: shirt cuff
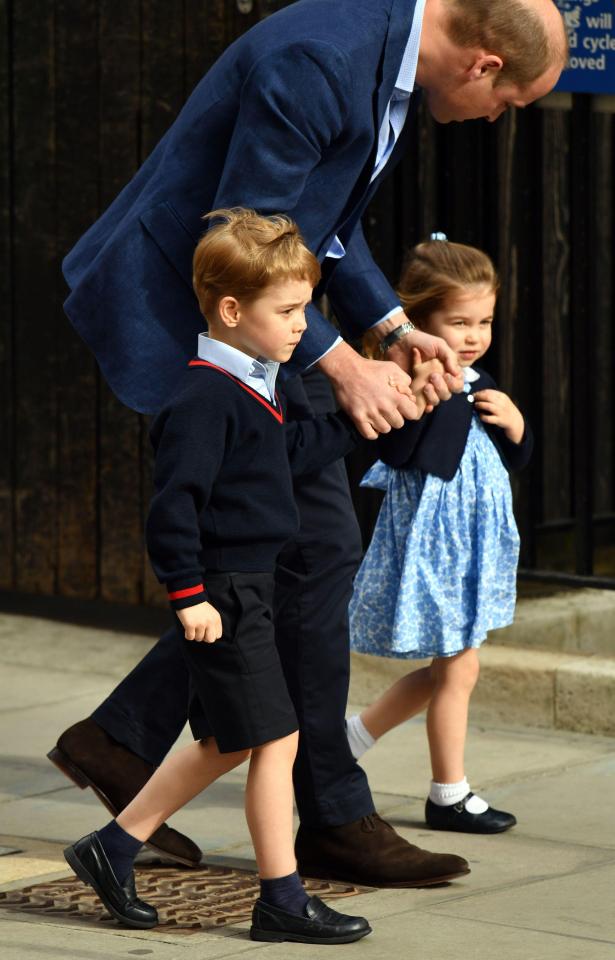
333,345
387,316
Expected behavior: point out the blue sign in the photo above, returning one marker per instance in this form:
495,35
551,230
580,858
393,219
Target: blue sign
591,32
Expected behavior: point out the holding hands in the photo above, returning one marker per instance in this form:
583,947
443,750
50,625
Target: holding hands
445,378
377,394
425,375
201,623
497,408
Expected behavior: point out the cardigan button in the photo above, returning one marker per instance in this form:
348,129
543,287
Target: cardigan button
470,398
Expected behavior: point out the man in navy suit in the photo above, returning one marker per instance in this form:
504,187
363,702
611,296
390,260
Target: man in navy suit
303,115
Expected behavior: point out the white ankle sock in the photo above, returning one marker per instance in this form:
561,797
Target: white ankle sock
446,794
359,737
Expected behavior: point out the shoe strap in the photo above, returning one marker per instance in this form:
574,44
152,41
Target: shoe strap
461,805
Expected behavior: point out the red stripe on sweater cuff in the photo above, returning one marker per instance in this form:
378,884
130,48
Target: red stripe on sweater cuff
188,592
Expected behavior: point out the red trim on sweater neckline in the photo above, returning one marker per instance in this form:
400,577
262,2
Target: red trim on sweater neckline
244,386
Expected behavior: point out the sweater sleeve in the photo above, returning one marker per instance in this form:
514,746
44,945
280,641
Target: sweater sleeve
189,452
319,441
516,456
294,106
397,447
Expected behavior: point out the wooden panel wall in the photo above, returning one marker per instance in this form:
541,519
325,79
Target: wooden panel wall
87,87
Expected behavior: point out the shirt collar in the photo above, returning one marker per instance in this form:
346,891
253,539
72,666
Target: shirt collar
470,376
404,85
237,363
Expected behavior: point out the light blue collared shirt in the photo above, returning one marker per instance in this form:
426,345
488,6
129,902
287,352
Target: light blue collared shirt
259,374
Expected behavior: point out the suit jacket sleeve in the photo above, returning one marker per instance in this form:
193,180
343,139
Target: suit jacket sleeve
359,292
280,136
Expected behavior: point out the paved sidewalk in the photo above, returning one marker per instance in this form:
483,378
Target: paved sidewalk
543,890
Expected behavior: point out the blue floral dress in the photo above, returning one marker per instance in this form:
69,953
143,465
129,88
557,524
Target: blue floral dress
441,568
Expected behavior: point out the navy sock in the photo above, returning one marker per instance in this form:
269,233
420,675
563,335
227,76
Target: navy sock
121,849
287,893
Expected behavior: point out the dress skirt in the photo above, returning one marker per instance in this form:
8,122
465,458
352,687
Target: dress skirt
440,571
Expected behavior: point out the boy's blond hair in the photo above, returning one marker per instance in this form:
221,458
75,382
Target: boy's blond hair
244,253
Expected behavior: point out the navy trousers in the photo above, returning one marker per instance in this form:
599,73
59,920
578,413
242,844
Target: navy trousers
313,582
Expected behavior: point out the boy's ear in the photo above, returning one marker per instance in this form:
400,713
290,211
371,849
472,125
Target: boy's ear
228,310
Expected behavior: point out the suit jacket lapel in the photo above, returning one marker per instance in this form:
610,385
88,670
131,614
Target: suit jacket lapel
400,24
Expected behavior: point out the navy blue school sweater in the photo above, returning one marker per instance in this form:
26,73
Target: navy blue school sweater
223,499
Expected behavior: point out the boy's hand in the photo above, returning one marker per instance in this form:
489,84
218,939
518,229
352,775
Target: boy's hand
497,408
201,622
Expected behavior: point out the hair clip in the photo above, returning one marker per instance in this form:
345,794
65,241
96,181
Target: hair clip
438,236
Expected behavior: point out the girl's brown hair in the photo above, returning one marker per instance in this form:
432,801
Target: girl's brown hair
432,271
245,252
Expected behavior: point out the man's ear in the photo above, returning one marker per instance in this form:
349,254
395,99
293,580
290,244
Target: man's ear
228,310
485,64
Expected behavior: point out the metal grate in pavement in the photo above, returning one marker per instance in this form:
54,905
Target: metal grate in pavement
188,901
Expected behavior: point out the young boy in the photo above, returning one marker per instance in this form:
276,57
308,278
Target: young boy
223,508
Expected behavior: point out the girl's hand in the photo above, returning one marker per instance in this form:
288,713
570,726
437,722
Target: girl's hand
201,622
422,383
445,381
497,408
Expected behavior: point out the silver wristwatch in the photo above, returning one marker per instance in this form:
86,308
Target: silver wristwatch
395,335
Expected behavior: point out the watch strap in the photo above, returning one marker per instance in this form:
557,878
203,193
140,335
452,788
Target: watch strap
395,335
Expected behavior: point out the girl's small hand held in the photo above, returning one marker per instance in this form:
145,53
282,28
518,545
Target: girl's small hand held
497,408
201,623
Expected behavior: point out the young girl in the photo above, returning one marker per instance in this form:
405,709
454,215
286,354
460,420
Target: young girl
440,571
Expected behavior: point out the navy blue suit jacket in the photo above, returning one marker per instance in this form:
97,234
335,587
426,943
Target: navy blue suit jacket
436,442
285,121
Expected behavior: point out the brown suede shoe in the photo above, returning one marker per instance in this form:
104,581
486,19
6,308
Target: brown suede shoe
369,852
89,757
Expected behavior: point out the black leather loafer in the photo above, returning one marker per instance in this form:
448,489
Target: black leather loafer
458,819
87,755
89,861
319,925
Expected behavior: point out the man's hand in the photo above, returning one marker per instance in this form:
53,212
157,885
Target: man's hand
443,384
201,622
375,393
497,408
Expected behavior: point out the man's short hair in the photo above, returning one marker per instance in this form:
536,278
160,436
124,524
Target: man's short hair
244,252
514,31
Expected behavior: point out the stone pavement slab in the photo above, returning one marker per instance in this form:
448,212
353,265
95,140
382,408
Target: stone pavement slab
541,891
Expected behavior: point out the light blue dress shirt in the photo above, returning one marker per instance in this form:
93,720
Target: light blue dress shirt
259,374
393,120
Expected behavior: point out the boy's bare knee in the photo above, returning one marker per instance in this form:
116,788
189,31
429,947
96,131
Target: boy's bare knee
284,745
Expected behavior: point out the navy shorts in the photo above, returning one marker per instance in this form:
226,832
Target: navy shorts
238,693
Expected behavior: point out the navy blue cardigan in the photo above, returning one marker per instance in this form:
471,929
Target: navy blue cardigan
436,442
